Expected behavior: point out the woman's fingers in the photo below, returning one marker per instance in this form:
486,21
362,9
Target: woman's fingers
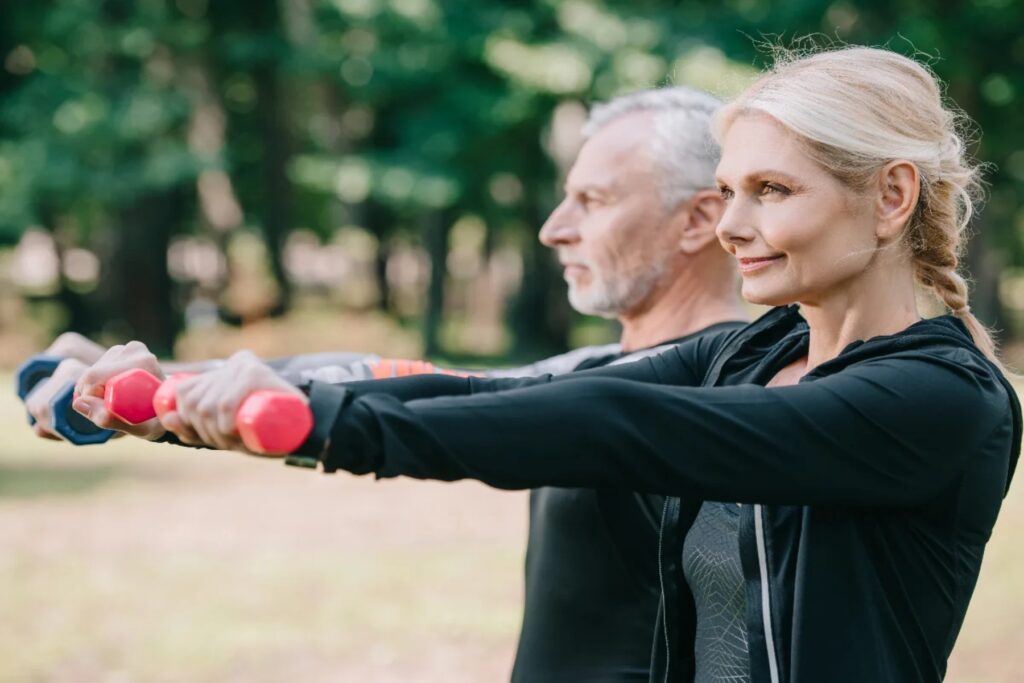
117,359
96,411
172,422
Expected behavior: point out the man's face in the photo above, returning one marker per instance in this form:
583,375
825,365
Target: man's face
608,231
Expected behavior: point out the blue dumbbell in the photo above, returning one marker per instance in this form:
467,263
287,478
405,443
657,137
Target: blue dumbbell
66,422
32,372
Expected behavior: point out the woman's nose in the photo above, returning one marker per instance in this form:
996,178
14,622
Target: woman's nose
735,226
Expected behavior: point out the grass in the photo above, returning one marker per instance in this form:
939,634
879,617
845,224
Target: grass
139,562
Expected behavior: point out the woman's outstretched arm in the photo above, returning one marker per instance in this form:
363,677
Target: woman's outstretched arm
892,431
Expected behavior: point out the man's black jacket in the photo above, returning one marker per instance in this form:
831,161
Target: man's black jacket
869,489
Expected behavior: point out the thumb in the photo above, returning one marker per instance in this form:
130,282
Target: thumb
150,429
87,405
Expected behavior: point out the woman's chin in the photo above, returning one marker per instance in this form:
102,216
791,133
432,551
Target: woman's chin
762,296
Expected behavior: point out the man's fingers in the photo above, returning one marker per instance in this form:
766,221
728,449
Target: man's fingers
44,433
74,345
38,407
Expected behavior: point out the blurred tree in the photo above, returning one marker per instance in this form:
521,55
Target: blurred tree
124,123
95,125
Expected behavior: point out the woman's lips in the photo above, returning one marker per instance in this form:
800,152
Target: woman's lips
754,264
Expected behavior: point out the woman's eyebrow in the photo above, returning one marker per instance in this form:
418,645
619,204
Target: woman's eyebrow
770,172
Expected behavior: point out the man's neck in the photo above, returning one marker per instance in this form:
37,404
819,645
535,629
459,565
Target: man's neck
685,306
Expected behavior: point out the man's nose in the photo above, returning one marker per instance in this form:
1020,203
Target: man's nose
560,227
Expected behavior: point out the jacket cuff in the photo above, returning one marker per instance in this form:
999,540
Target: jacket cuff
326,402
172,438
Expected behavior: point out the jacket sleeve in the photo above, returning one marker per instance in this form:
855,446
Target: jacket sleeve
891,431
684,365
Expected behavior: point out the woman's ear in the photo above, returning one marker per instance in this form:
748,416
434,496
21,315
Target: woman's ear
899,186
698,218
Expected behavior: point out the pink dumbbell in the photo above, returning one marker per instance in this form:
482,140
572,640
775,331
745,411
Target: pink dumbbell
269,422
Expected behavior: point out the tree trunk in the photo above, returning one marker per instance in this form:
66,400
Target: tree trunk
378,220
136,289
540,315
435,237
276,200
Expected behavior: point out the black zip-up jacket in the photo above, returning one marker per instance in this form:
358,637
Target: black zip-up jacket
869,489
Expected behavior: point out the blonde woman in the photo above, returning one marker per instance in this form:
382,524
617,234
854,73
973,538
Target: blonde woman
836,467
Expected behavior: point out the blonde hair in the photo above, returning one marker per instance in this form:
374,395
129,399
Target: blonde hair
855,109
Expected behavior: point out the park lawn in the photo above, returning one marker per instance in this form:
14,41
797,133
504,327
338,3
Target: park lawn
139,562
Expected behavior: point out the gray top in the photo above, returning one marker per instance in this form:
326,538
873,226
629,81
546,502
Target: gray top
711,564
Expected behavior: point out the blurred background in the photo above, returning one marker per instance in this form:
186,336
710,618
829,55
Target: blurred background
308,175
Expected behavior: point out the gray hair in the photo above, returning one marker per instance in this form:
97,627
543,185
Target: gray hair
684,152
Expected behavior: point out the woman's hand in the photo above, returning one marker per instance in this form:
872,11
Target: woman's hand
91,385
207,404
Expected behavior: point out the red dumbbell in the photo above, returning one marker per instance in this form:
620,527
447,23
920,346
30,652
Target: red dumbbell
165,400
129,396
269,422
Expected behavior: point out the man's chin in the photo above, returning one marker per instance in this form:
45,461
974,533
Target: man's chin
584,302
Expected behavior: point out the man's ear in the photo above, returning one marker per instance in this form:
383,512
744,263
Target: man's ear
899,190
698,217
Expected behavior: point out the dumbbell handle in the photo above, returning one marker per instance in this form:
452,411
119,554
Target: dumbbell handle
69,424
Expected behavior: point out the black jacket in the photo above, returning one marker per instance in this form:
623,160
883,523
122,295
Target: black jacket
869,489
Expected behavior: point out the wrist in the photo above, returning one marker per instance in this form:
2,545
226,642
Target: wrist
326,402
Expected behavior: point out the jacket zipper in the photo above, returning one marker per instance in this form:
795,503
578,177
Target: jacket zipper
661,583
766,606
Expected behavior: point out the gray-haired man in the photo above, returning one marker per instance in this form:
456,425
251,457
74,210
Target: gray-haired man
636,235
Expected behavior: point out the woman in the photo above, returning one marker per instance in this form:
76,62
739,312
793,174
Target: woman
868,449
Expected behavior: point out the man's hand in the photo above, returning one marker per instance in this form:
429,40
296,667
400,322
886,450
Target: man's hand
207,404
74,345
37,403
92,381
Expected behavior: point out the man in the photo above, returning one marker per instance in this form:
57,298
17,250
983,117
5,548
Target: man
635,234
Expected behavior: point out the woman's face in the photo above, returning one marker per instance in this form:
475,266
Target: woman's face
798,233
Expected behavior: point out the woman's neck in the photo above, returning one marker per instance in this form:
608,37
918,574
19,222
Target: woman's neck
877,304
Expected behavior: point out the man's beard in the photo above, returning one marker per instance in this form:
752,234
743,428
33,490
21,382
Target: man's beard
612,296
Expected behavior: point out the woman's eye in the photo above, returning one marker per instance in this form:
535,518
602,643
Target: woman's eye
773,188
727,193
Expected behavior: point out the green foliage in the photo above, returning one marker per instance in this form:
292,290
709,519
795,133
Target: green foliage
414,106
96,116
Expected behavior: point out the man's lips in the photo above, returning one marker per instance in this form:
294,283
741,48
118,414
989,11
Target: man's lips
573,269
750,264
